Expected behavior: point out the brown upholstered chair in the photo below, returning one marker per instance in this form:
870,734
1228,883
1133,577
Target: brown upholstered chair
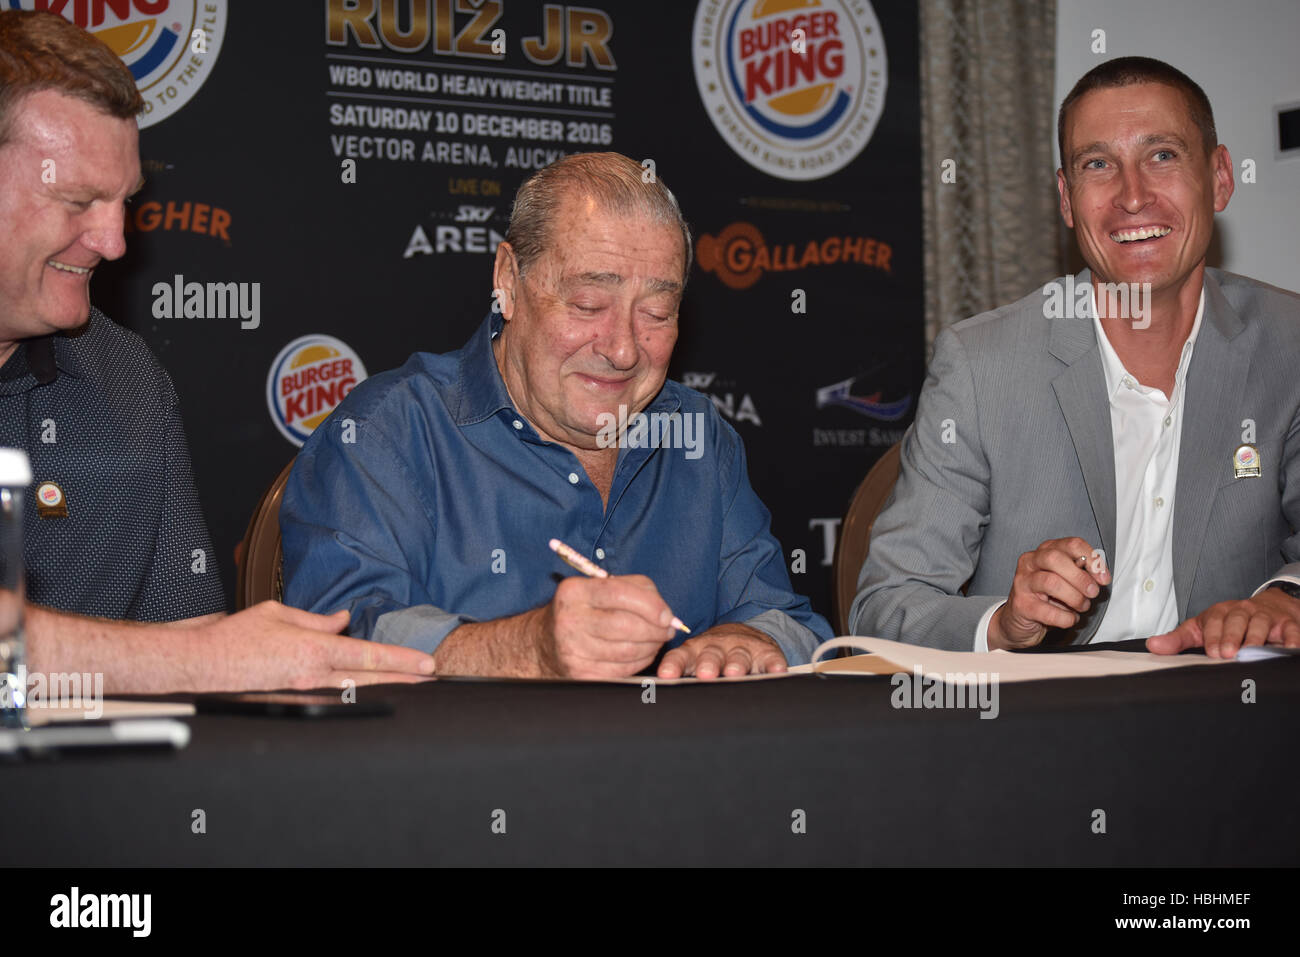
855,534
260,576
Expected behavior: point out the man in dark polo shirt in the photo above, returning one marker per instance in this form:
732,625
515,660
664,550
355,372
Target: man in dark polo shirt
113,528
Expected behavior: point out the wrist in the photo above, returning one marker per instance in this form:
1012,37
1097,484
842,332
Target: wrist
207,663
1287,588
995,639
1001,638
739,629
539,632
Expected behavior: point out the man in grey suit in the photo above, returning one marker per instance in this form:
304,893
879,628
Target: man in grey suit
1141,418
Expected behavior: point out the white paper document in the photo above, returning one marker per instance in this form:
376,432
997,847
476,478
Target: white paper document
889,657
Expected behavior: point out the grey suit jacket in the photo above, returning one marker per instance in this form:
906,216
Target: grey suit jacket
1012,446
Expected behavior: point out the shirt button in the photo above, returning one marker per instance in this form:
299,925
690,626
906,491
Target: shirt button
517,424
1169,420
573,478
1128,382
1148,585
1160,502
600,553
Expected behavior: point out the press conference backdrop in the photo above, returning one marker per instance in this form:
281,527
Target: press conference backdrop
327,182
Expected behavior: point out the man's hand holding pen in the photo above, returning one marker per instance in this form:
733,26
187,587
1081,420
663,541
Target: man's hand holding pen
607,627
1053,586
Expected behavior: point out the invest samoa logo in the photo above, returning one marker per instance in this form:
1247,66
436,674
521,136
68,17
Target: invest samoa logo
794,86
308,380
873,405
170,46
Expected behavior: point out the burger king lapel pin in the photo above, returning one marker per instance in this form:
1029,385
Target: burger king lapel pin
50,501
1245,462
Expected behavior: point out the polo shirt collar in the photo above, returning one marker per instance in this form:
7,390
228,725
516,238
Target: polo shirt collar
17,372
65,351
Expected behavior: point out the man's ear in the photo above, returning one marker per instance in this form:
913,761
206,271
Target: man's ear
1063,188
505,280
1225,177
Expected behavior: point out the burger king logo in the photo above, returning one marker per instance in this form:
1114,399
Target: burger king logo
170,46
308,379
794,86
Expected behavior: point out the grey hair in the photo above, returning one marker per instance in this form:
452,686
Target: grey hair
617,183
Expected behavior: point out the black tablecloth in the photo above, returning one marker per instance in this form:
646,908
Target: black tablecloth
1183,770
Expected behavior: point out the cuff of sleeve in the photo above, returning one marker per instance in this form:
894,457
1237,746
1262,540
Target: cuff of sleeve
422,627
982,629
1292,579
796,642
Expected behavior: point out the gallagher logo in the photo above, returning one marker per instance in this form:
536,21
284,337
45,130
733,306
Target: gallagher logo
201,218
740,255
170,46
308,379
794,86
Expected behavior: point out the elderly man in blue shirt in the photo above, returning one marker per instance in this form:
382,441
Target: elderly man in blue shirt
425,504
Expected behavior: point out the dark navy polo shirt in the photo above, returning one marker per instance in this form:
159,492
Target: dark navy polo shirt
98,416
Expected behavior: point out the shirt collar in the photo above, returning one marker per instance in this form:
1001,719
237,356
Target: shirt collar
65,351
18,375
482,391
1114,369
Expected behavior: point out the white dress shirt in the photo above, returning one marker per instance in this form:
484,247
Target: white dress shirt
1146,430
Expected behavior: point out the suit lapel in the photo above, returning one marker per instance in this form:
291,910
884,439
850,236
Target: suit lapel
1216,375
1081,392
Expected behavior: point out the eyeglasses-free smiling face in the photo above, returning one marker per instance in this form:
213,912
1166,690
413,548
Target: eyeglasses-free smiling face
66,171
1138,188
591,326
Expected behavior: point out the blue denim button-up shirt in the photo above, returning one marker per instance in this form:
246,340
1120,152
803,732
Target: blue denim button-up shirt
427,500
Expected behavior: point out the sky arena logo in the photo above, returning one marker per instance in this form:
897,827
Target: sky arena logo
156,39
308,379
726,402
794,86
